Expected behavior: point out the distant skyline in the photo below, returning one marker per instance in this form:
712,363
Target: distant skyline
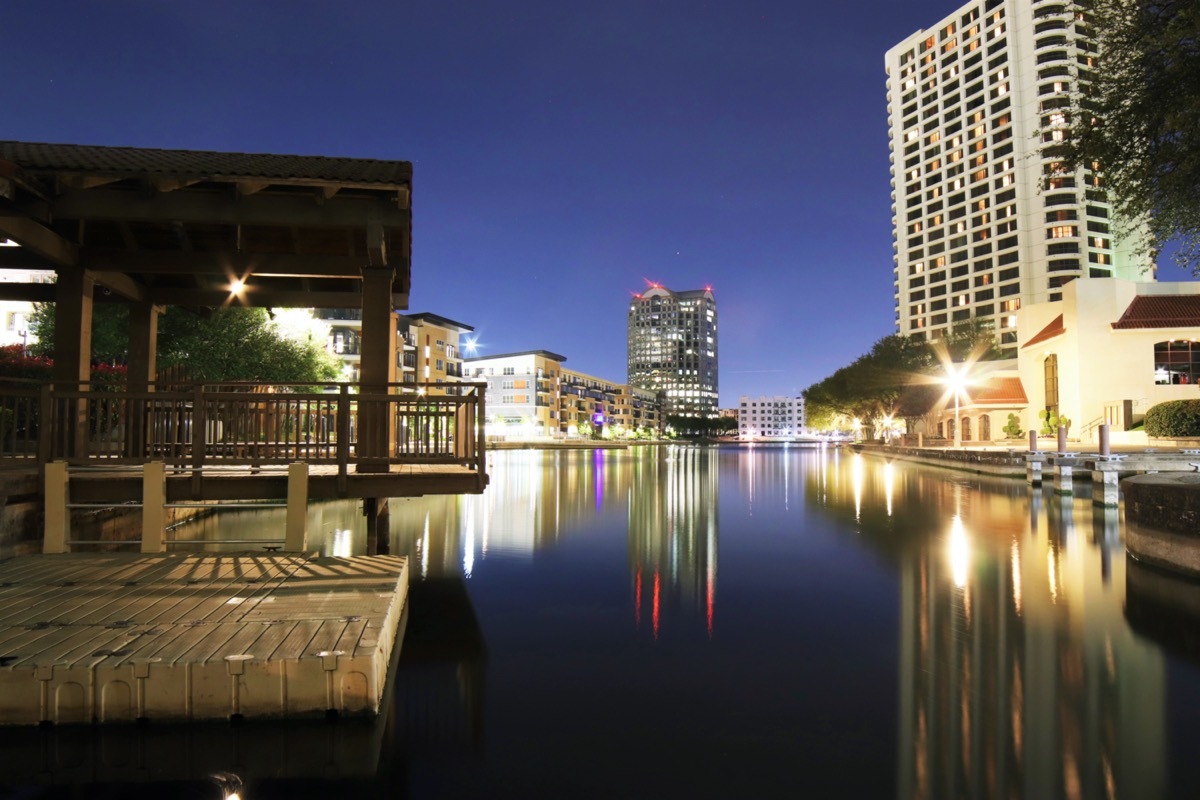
564,155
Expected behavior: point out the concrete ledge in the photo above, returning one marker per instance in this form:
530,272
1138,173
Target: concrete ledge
1162,520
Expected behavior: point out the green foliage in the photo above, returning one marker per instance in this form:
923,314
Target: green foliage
1138,118
1051,422
231,344
1013,429
1174,418
706,427
899,376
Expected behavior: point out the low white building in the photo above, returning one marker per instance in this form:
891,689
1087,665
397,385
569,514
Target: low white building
1105,353
1109,350
777,418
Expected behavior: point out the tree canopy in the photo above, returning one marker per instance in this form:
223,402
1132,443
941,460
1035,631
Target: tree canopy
231,344
900,378
1136,117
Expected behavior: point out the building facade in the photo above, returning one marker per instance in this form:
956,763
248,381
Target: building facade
771,418
531,395
523,392
672,349
984,219
428,349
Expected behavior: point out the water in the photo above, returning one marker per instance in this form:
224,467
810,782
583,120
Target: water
727,622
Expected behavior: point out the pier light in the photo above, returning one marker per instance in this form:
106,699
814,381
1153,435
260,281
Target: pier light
237,287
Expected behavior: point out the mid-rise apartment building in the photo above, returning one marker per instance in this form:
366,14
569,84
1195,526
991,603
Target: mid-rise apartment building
428,347
766,418
984,218
672,348
531,395
523,392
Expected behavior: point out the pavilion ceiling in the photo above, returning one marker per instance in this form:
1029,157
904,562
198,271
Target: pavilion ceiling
179,227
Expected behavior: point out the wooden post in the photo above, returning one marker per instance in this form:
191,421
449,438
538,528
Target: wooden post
57,534
376,432
1062,439
73,348
154,496
143,344
1105,446
297,508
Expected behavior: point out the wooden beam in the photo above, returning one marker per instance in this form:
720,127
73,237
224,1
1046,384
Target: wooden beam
85,181
27,292
247,188
151,262
221,209
38,238
262,298
122,284
172,184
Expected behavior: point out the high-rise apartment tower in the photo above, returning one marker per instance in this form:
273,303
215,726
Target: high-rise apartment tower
673,348
984,220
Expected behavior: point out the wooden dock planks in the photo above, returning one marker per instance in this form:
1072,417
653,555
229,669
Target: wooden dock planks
122,636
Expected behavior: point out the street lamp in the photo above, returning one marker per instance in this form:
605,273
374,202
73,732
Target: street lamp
957,381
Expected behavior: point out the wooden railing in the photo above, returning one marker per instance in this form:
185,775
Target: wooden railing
242,423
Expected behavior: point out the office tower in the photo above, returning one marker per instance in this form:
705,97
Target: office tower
672,348
984,220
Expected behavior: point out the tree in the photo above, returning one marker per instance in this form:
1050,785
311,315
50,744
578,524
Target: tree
231,344
899,377
1136,117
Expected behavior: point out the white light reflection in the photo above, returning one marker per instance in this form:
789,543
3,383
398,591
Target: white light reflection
342,543
1052,573
1016,577
889,478
425,548
469,539
856,475
960,553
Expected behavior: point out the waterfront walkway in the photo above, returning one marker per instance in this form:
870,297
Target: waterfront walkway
111,637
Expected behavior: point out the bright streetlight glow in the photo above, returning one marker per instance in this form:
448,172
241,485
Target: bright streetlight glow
957,382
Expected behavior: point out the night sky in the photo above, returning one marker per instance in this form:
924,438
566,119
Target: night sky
564,154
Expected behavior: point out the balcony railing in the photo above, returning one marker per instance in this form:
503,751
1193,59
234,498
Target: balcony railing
242,423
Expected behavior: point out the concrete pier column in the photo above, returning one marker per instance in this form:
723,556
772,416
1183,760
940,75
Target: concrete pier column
1063,469
154,518
296,536
375,509
1106,488
1033,468
57,532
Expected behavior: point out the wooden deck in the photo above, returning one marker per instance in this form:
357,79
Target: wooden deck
118,637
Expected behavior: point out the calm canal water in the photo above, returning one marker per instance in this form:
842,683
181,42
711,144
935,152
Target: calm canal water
735,622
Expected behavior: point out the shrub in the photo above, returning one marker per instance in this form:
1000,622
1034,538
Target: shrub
1174,418
1013,429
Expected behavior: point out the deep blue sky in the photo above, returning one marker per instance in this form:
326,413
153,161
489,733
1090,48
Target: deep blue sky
563,153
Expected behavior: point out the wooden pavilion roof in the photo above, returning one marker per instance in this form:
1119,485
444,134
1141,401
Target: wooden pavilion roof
177,227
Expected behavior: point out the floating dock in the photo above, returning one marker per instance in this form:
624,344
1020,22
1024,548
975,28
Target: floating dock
119,637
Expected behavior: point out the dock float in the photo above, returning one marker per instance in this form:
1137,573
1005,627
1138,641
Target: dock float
121,637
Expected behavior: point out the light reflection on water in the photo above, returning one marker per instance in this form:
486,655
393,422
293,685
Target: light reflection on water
877,629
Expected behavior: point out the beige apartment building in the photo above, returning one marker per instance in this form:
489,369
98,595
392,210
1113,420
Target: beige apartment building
984,219
530,394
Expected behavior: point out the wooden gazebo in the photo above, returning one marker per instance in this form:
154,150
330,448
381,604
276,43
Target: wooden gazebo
153,228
